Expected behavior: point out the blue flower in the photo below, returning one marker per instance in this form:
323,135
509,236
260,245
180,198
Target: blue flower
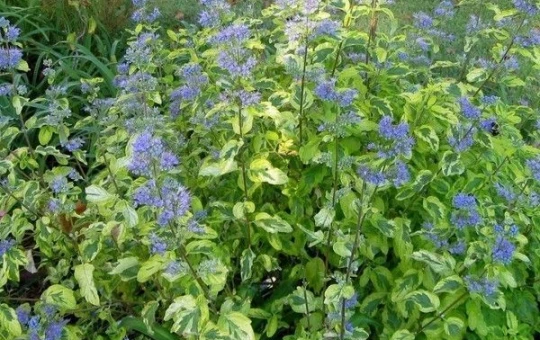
503,250
467,213
401,174
400,143
327,27
74,144
59,184
375,177
172,199
464,201
534,166
352,301
33,323
485,286
489,100
326,90
422,20
525,7
150,154
12,33
505,192
458,248
23,314
445,9
10,57
157,244
54,330
54,205
468,109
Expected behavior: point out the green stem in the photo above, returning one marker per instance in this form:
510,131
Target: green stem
303,89
111,174
24,205
307,305
244,173
372,28
505,54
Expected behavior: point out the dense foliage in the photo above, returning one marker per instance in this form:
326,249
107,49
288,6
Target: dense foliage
316,172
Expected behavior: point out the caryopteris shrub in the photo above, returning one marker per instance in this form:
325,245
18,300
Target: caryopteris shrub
319,171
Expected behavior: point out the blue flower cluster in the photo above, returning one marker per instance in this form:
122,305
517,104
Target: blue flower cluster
73,144
526,7
468,110
6,245
150,155
233,57
157,245
171,198
484,286
533,39
50,326
399,174
212,12
10,56
194,80
534,166
338,128
467,211
326,90
503,250
398,141
59,184
505,192
445,9
143,13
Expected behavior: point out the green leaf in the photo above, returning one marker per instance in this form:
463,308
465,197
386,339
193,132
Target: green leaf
448,285
422,179
45,134
428,135
9,323
60,296
309,150
341,249
371,302
325,217
402,334
246,264
434,207
89,249
127,268
476,74
297,301
149,314
216,169
272,224
150,267
98,195
130,214
454,326
387,227
444,114
451,164
426,301
155,332
84,274
315,273
236,326
261,170
188,317
439,263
